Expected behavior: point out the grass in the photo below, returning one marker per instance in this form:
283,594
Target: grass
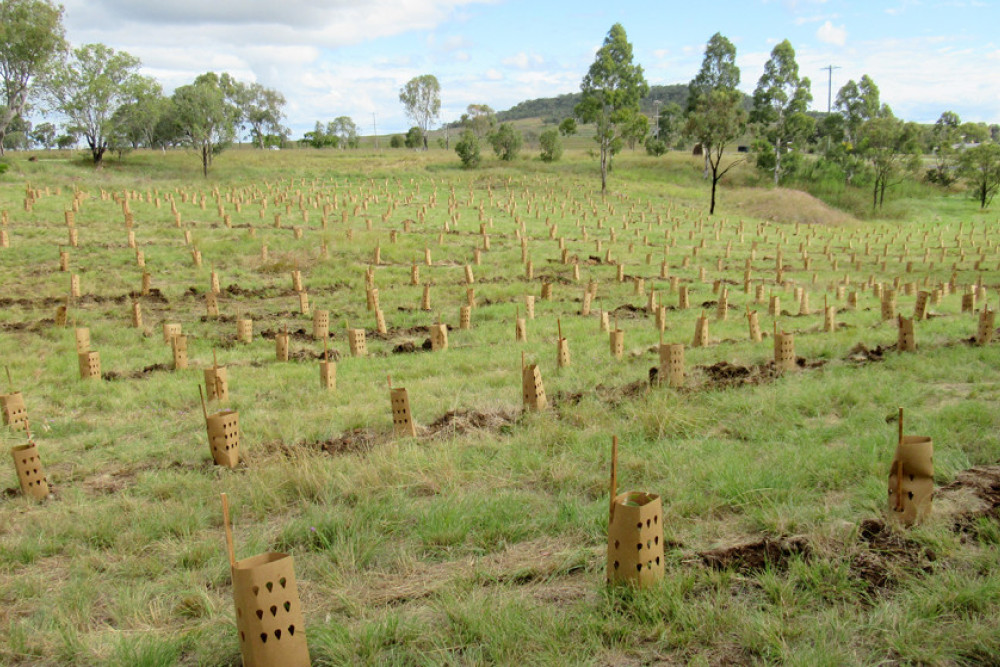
485,544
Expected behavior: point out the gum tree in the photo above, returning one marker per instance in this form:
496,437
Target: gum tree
611,90
718,72
31,37
421,98
779,105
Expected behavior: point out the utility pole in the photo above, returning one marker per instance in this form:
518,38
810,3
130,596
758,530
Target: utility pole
656,113
375,130
829,86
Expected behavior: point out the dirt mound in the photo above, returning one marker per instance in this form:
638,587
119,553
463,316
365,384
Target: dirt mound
355,441
973,496
409,347
460,422
861,354
783,205
629,312
885,555
757,555
134,375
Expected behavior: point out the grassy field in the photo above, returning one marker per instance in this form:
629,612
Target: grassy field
483,539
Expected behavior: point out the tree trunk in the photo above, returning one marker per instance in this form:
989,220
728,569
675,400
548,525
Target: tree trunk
715,180
704,148
777,161
604,167
204,160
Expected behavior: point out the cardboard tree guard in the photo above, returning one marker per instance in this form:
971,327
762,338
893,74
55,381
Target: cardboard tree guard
402,418
635,534
30,473
911,479
269,618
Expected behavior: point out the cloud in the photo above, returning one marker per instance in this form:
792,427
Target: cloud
524,60
831,34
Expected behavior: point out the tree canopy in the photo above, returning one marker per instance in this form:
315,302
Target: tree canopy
421,98
205,116
779,105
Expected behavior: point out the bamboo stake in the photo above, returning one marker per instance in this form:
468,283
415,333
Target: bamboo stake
231,552
614,475
899,465
204,408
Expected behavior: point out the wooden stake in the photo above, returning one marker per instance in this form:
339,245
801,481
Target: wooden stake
9,381
388,379
559,327
231,552
614,475
204,408
899,462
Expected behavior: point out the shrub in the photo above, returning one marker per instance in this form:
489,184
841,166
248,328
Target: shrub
551,145
467,148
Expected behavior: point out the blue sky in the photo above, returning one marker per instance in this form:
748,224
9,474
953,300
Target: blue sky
350,57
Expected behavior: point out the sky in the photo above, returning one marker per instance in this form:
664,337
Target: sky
333,58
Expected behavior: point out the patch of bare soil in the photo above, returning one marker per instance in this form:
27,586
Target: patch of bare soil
294,334
460,422
409,347
974,495
884,555
111,376
629,312
614,396
766,553
724,374
112,481
355,441
861,354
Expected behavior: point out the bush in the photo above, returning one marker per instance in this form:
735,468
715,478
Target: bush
506,142
397,141
655,147
415,138
551,145
467,148
3,167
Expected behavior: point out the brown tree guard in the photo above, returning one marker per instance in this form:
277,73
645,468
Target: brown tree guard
635,534
223,434
269,616
911,477
30,473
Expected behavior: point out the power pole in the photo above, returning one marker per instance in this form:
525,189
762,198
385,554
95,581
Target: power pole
829,86
375,130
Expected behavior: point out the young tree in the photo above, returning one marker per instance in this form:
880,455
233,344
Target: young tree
611,90
506,142
551,145
415,138
31,37
135,122
44,134
261,108
206,117
421,97
886,143
346,132
468,149
980,167
567,127
480,118
856,104
718,72
91,86
942,139
779,105
717,119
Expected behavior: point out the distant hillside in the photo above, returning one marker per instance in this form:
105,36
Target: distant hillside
557,108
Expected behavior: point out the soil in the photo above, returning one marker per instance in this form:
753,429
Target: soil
111,376
460,422
884,556
766,553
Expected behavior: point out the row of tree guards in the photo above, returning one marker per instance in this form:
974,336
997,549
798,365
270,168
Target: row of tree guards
271,625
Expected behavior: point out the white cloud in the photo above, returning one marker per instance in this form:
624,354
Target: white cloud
831,34
524,60
494,75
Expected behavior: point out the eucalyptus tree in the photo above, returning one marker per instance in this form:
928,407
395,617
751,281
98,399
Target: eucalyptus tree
779,106
31,39
421,98
611,90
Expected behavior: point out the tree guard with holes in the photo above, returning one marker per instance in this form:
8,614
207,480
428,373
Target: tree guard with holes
358,342
321,324
30,473
402,418
244,330
180,348
465,317
532,389
217,383
170,330
911,496
529,306
784,351
635,535
700,332
224,437
984,333
90,365
671,369
906,340
15,414
269,618
439,337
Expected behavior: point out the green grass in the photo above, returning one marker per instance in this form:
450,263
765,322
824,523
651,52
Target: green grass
484,545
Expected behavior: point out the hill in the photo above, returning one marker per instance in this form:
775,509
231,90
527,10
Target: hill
557,108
